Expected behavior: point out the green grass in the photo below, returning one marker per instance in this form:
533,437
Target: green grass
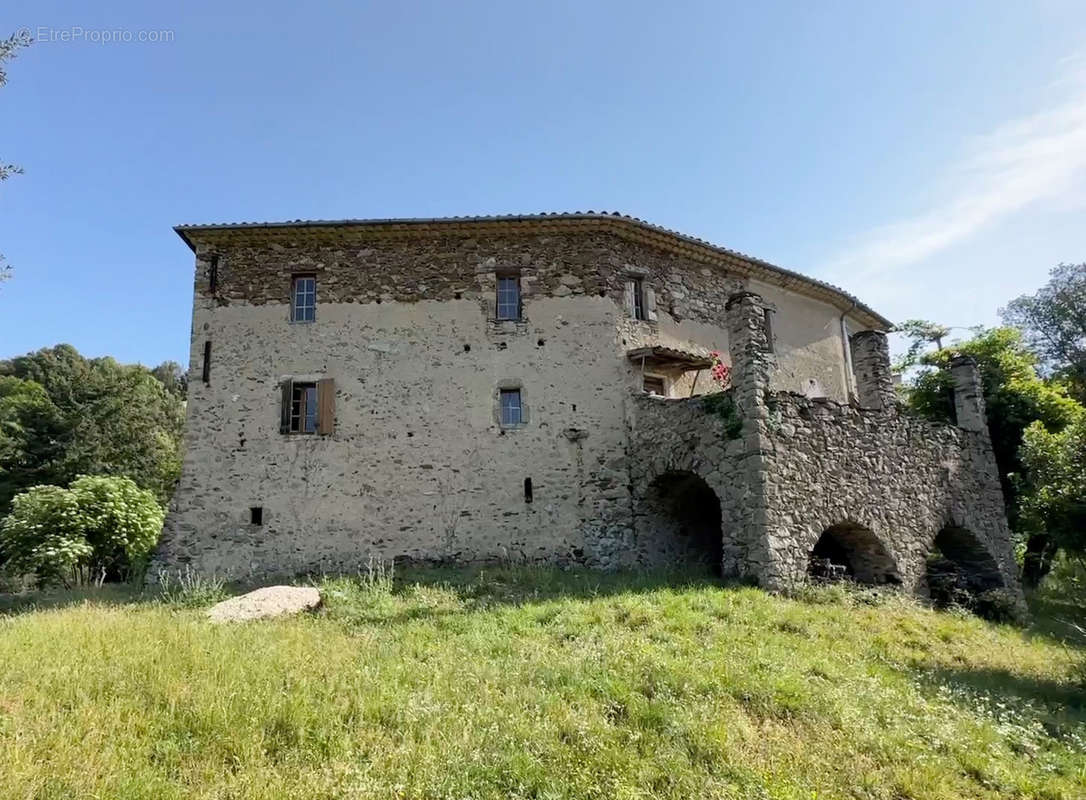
540,684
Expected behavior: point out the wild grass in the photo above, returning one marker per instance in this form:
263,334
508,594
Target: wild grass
539,684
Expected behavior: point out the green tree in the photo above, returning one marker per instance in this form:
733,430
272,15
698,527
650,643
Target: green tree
1015,397
1054,499
1054,322
97,417
9,48
923,334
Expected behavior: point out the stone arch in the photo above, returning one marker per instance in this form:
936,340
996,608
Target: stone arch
960,567
850,550
679,522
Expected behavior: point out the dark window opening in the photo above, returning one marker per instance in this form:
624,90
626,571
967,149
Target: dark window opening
213,274
206,375
511,407
527,490
256,515
467,348
653,385
639,299
508,307
303,298
303,408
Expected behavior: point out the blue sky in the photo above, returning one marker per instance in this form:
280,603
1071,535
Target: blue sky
929,157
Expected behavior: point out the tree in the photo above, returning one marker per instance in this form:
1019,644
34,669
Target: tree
86,417
9,48
1054,322
1015,397
1054,502
173,377
923,334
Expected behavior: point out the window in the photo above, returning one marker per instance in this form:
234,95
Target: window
303,408
303,303
511,407
639,299
767,317
653,385
508,297
256,515
213,274
206,373
308,406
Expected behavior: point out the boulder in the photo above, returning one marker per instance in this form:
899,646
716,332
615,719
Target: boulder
271,601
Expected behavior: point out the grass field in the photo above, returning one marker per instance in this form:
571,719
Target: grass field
538,684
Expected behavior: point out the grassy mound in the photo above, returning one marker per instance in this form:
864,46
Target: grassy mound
540,684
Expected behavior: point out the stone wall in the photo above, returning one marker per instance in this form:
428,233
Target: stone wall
884,483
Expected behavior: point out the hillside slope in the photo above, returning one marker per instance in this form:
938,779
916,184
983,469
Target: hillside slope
542,684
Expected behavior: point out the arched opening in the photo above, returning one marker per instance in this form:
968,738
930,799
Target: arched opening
680,523
960,569
848,551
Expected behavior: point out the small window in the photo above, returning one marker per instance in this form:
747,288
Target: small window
639,299
303,408
303,303
767,317
654,385
508,297
256,515
511,408
527,490
213,274
206,372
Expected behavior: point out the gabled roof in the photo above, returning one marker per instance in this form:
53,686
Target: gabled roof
620,224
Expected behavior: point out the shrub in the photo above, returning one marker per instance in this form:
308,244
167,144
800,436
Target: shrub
100,527
43,535
122,523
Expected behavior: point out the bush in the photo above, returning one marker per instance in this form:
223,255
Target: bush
44,535
122,523
101,527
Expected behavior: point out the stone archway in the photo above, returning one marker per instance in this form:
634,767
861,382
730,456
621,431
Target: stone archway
960,568
679,523
848,550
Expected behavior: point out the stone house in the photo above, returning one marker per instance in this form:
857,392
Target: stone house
537,389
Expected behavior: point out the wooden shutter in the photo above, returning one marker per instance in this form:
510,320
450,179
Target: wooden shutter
284,411
326,406
650,304
628,298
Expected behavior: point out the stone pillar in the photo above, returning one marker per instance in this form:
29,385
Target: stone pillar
752,362
871,366
968,394
749,493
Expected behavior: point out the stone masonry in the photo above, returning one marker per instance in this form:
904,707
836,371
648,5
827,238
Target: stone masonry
806,454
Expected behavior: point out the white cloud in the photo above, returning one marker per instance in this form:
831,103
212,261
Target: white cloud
1023,161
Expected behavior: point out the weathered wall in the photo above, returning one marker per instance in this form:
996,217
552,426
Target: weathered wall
417,465
797,467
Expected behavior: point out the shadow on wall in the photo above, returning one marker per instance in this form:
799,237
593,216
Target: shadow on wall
851,551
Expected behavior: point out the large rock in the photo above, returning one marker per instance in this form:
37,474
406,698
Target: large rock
271,601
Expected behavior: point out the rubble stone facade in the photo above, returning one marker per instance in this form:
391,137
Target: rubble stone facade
412,457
